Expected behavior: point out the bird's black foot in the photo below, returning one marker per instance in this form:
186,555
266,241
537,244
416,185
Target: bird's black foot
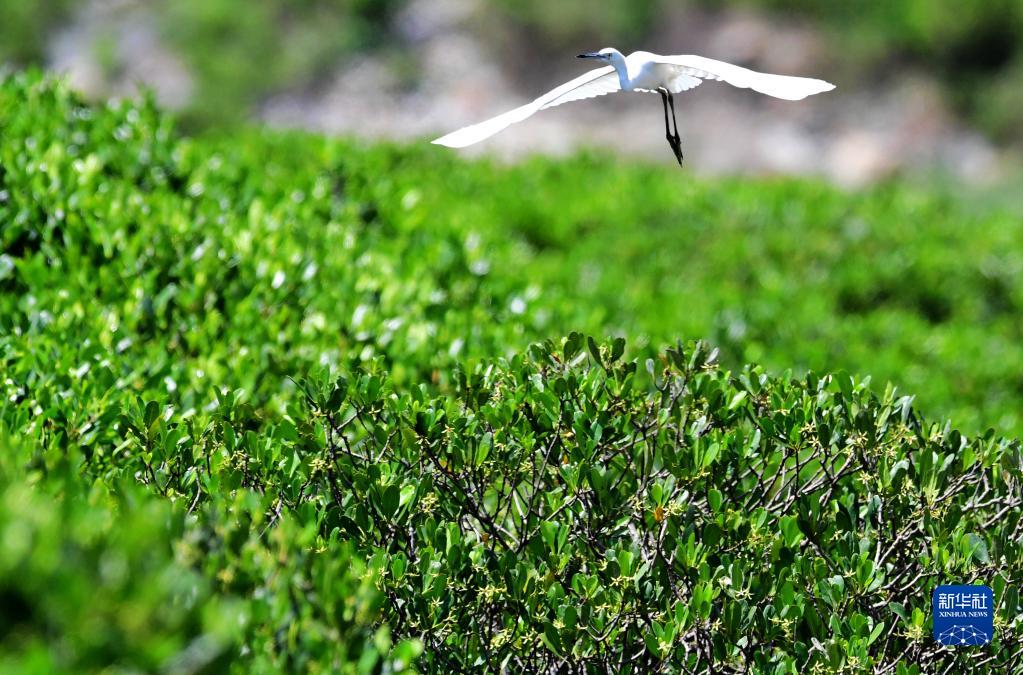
676,146
674,140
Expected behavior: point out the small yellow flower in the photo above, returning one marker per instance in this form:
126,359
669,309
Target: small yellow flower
914,632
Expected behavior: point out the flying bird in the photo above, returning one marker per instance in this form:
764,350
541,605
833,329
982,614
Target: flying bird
644,72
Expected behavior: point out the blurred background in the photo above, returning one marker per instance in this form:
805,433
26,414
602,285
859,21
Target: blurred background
928,88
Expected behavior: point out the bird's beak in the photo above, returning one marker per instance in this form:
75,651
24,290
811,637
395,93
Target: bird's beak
590,55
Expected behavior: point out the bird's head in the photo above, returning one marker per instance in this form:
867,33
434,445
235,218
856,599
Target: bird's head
607,54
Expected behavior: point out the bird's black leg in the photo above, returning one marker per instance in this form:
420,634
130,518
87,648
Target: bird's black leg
673,138
678,139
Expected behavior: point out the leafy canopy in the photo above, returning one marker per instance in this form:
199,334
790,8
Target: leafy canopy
269,403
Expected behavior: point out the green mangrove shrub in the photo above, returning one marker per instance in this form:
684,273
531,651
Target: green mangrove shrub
268,402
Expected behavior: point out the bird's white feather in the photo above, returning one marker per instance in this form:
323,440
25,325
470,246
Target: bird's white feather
594,83
779,86
684,82
646,72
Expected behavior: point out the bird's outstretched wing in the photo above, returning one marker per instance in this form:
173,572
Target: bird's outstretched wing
779,86
594,83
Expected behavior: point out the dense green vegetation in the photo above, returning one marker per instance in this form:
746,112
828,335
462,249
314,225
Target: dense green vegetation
292,403
241,52
26,26
237,52
974,47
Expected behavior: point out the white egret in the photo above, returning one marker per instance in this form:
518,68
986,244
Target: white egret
644,72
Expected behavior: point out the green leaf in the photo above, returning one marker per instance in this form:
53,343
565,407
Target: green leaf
338,394
390,499
791,533
594,350
551,638
737,400
714,499
617,349
875,632
976,547
573,345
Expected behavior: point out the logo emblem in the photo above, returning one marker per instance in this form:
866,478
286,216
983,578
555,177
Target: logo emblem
963,615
